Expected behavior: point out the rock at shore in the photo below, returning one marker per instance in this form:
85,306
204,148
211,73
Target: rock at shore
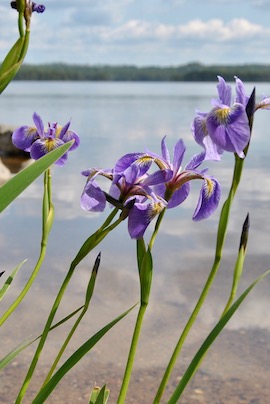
7,149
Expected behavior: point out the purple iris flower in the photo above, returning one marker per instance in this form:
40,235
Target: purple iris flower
39,141
131,185
177,189
226,126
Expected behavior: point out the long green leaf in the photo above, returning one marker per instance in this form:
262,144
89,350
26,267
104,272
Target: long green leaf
11,355
99,395
17,184
12,57
9,280
88,296
209,341
75,358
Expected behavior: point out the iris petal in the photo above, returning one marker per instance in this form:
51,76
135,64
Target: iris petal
43,146
93,198
24,136
229,130
208,200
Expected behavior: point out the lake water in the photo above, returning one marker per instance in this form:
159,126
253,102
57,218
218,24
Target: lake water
113,119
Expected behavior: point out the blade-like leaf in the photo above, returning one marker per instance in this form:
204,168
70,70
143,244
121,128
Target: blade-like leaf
9,280
209,341
74,359
17,184
11,355
99,395
12,57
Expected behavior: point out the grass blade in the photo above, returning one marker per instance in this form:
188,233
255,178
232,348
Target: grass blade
17,184
75,358
209,340
9,280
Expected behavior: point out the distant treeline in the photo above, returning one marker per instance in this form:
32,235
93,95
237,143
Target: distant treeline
189,72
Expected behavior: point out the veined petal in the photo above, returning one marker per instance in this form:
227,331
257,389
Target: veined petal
43,146
208,200
158,177
24,136
224,91
165,152
140,159
39,124
93,198
71,135
199,128
263,104
212,151
241,96
229,128
196,161
179,151
140,216
179,195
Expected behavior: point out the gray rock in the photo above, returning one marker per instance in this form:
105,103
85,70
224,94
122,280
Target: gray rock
7,149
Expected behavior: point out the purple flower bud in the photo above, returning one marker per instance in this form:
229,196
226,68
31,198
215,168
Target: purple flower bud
39,8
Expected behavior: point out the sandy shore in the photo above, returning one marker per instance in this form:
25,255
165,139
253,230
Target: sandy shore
236,369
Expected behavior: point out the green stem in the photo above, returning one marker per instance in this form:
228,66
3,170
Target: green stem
145,272
132,353
47,221
155,232
81,254
222,229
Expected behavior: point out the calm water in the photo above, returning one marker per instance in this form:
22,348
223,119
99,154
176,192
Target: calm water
113,119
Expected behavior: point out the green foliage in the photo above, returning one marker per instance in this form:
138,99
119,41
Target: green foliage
17,184
188,72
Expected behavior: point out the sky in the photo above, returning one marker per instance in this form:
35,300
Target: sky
144,32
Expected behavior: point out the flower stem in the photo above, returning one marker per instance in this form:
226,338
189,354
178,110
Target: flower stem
132,353
47,222
145,266
85,249
222,229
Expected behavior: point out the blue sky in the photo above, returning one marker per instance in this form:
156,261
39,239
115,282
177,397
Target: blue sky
145,32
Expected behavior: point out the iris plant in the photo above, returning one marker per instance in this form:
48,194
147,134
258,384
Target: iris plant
167,187
39,141
226,126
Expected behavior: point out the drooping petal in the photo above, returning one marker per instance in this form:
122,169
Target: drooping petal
199,128
264,103
140,216
179,195
125,161
66,135
24,137
208,200
93,198
43,146
229,128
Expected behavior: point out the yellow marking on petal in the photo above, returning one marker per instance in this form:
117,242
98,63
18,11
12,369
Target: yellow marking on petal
58,130
157,207
31,131
210,187
143,160
50,144
222,114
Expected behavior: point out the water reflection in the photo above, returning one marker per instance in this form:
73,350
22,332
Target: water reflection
113,119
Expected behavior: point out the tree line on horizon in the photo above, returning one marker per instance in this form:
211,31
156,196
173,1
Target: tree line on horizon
188,72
